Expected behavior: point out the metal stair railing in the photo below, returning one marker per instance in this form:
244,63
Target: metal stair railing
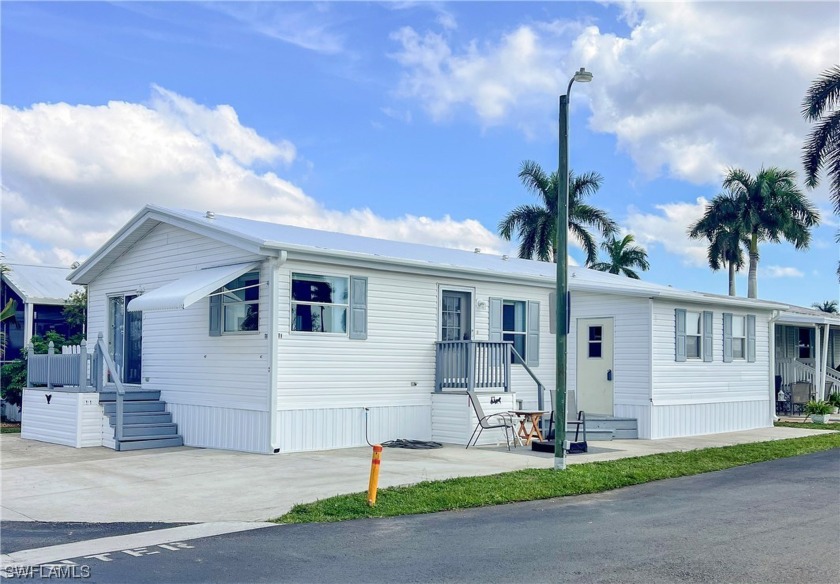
102,357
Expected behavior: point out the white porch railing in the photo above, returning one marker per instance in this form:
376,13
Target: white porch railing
77,370
795,370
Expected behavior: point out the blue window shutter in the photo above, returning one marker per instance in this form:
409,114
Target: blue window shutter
751,338
495,320
532,342
679,341
358,307
727,337
707,336
216,314
552,313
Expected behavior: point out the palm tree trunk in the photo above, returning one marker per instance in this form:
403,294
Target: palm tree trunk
732,278
752,284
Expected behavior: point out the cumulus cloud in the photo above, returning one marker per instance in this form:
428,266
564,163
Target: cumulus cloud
668,227
780,272
74,174
691,89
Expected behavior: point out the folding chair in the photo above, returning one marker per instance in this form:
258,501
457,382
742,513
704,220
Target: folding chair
486,422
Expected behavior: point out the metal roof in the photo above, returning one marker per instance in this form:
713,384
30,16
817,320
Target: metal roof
37,284
272,238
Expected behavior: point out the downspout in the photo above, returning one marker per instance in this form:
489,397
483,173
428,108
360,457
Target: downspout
273,346
28,322
650,369
772,344
818,389
826,332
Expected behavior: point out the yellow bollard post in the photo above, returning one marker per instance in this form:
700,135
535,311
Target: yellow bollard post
373,485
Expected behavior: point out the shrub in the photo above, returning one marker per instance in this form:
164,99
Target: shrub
819,408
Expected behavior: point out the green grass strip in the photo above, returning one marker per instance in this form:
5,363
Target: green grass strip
808,425
10,430
534,484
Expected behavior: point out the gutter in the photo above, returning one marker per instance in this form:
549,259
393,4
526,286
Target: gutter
772,361
273,349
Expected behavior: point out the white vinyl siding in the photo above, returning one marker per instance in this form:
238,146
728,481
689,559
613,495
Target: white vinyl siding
393,370
179,358
631,353
692,386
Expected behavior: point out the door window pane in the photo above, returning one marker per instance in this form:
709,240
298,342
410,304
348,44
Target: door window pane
595,341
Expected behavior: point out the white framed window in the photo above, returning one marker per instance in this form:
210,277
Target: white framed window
514,326
241,304
693,335
320,303
739,337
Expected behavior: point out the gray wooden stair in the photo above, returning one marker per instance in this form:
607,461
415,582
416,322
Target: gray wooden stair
609,428
146,423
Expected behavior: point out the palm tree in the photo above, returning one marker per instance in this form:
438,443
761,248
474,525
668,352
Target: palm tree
726,240
829,306
770,207
822,150
535,225
623,256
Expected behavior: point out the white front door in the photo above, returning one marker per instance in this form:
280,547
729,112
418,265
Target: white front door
595,365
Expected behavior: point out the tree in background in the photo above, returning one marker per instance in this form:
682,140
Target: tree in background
769,207
829,306
623,256
75,314
535,225
6,313
822,150
719,225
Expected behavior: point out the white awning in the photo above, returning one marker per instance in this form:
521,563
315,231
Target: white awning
189,289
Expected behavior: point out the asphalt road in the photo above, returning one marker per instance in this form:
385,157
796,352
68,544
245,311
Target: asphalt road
26,535
770,522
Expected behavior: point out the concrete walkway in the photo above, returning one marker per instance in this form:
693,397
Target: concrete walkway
46,482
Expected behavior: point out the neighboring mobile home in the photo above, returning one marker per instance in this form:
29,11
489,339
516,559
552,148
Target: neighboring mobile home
270,338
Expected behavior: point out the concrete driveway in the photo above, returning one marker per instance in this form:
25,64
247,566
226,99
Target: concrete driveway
46,482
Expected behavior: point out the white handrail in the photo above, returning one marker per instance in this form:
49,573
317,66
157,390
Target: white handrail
102,349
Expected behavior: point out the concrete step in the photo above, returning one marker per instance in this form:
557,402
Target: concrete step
626,434
142,418
145,430
591,434
149,442
135,406
613,423
134,395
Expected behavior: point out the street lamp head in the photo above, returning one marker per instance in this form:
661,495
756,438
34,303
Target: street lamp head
583,76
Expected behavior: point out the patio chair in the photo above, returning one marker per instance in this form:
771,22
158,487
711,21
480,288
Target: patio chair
487,421
800,394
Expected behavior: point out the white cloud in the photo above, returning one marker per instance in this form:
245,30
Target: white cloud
304,25
669,228
493,79
780,272
693,88
74,174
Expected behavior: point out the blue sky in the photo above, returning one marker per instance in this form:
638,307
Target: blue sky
405,120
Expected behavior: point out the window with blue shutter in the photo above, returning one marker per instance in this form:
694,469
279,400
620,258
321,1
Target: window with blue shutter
358,307
751,338
679,340
707,336
727,337
533,341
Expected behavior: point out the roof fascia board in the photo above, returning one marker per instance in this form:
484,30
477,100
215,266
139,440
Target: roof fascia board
15,289
157,215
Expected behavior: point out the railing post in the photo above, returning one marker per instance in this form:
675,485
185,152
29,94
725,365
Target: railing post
508,355
50,352
437,367
30,351
470,366
119,435
83,365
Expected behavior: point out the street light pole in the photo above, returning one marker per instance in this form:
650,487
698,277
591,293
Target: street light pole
562,285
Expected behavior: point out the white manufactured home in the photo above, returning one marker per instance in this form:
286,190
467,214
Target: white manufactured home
258,337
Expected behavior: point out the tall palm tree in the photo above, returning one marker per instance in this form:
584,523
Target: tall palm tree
726,240
822,150
623,257
770,207
829,306
535,224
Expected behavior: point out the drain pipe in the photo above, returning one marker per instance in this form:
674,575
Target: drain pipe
273,346
774,316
